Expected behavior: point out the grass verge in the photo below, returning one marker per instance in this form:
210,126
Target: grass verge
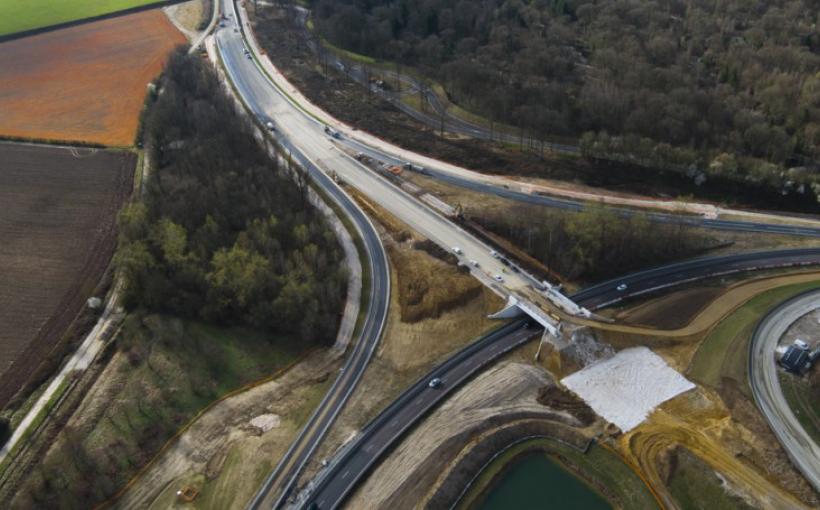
725,350
597,465
166,371
803,396
696,486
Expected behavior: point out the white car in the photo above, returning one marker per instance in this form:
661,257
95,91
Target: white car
494,254
498,278
622,287
474,263
457,250
434,382
270,126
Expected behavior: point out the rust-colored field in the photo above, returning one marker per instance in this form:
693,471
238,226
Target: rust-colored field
57,235
83,83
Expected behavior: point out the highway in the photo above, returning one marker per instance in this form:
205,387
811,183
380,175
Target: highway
484,184
304,135
305,139
480,184
301,134
280,481
763,378
642,282
337,480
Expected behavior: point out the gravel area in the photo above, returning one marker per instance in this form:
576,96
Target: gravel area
626,388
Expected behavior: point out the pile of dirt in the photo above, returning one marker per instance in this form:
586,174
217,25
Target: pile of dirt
699,422
671,311
283,39
558,398
436,251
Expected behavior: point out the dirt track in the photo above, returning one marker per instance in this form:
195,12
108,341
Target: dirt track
698,421
57,224
83,83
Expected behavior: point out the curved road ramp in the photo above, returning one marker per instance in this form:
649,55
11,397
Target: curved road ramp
763,377
627,387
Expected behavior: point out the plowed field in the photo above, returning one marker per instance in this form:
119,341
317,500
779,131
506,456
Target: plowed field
83,83
57,235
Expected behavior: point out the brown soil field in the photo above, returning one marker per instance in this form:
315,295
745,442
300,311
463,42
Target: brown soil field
57,226
84,83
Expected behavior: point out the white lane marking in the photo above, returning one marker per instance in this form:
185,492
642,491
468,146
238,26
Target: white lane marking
344,475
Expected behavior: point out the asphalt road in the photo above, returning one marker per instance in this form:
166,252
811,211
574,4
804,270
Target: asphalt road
477,185
306,137
457,125
439,113
338,480
381,434
280,482
642,282
308,143
763,378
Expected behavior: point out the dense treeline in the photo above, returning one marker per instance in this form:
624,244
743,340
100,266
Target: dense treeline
224,234
5,431
724,89
594,244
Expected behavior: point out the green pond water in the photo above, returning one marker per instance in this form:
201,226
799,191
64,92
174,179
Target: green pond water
537,482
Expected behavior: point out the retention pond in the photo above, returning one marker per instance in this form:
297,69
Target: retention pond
535,481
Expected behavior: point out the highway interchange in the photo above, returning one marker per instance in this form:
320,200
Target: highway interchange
337,481
306,140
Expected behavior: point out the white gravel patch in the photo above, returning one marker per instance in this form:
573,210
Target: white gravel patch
265,422
624,389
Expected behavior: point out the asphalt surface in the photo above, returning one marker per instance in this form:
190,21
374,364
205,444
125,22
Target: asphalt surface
457,125
381,434
280,482
477,185
642,282
305,138
763,378
439,114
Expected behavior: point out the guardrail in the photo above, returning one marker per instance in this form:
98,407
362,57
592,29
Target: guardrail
408,395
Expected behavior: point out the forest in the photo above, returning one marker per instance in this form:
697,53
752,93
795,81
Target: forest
224,234
718,89
593,245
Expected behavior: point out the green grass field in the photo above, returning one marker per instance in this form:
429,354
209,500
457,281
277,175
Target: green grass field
804,399
694,485
167,371
17,16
